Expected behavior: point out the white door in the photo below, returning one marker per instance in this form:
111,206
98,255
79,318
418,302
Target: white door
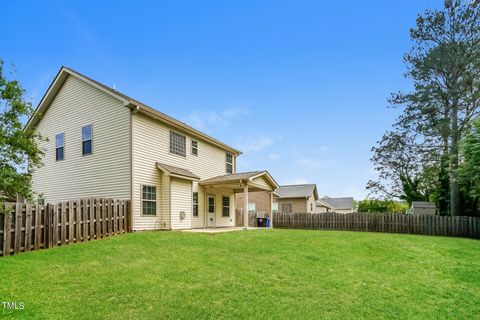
211,211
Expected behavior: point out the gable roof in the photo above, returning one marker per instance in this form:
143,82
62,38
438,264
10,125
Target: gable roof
244,176
133,104
297,191
339,203
177,172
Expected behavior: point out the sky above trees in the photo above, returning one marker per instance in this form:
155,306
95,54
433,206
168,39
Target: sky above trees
301,87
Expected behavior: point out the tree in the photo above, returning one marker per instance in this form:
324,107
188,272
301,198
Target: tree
470,168
400,161
444,65
19,149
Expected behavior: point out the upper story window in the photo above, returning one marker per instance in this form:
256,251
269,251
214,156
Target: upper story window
178,144
87,139
195,148
59,146
229,161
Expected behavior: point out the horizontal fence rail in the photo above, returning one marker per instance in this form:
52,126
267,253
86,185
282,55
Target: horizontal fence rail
468,227
25,227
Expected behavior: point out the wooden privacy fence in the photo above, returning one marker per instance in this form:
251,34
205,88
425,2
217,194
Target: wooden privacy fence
25,227
252,218
468,227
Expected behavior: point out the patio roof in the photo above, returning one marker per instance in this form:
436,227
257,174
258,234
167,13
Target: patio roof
256,180
177,172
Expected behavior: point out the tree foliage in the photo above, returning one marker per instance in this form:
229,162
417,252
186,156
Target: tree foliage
444,66
382,206
19,149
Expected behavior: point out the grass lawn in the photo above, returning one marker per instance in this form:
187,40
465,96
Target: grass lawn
287,274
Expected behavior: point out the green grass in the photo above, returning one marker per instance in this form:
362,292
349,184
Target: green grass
288,274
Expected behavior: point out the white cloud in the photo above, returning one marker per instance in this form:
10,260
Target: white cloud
205,119
298,181
314,163
274,156
256,142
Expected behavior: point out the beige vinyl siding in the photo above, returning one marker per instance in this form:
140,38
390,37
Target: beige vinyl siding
262,182
106,172
311,204
181,197
151,139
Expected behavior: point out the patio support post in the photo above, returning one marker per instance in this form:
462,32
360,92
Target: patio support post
271,210
245,206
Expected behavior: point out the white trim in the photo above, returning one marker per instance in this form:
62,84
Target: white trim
141,201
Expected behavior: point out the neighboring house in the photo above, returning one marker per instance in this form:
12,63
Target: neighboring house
423,208
102,143
338,205
296,198
258,202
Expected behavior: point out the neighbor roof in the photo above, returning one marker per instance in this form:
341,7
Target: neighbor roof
339,203
177,172
135,105
297,191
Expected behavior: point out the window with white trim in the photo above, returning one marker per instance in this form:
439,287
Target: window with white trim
225,206
275,207
149,200
178,144
87,140
195,204
60,146
195,148
229,162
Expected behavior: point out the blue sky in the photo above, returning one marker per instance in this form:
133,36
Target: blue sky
300,87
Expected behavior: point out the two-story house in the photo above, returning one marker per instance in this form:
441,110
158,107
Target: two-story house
102,143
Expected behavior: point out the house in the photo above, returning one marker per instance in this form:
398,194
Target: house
338,205
296,198
102,143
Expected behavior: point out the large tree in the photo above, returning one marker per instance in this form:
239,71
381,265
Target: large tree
19,149
444,65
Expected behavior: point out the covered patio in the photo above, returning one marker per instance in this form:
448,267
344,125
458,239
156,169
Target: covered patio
239,183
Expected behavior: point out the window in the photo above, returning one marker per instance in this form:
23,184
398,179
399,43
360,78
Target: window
60,146
311,207
229,160
226,206
178,144
195,148
195,204
287,208
252,207
87,139
149,200
274,207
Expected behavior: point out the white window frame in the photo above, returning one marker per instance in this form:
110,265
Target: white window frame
173,147
227,164
224,206
194,148
195,204
142,200
57,147
85,140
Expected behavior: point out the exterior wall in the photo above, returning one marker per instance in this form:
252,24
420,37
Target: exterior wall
104,173
311,204
181,198
220,220
299,205
151,144
261,200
